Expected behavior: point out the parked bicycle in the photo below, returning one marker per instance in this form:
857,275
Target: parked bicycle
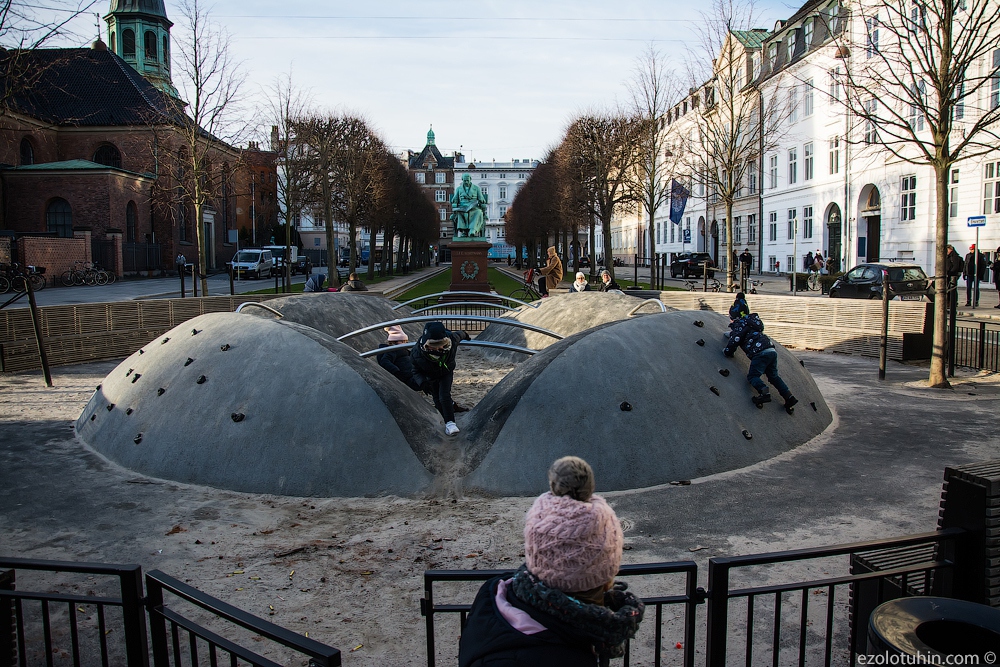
697,285
813,281
754,284
528,291
16,277
86,273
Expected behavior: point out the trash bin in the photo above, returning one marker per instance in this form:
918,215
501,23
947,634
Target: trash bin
934,627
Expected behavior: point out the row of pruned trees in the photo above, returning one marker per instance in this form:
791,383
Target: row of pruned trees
337,168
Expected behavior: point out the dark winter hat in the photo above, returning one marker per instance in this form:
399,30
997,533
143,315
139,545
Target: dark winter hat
435,336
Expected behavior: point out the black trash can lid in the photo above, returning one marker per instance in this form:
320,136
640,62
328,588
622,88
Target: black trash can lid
934,626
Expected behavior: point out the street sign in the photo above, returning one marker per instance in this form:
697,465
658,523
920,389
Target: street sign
977,221
687,236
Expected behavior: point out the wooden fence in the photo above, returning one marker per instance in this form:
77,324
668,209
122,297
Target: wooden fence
95,331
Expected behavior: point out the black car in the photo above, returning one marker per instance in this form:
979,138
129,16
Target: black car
907,281
690,264
304,265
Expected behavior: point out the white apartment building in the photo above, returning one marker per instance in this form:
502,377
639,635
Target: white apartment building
824,183
500,182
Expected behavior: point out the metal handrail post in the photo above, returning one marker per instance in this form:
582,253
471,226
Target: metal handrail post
134,618
718,613
157,623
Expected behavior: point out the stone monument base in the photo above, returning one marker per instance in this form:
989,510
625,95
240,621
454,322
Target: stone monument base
468,266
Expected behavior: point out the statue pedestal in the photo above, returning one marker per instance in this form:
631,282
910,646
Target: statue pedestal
468,267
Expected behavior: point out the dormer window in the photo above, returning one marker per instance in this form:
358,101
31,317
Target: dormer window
754,66
772,55
807,32
790,46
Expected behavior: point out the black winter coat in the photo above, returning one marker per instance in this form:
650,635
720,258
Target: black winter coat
427,368
488,640
747,333
400,364
609,286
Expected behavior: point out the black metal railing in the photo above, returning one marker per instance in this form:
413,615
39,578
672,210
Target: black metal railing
85,629
477,310
818,618
644,649
977,345
138,257
174,635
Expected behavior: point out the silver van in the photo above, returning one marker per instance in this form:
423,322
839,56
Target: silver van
253,263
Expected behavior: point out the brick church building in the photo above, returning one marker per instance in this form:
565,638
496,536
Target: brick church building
93,163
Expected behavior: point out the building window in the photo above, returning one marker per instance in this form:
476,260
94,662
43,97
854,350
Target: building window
439,177
772,56
109,156
752,229
909,202
835,84
419,177
503,211
113,42
959,108
917,96
871,107
27,152
737,234
790,47
440,195
807,222
503,175
773,164
793,222
807,159
835,155
752,178
150,43
130,216
772,263
443,214
754,66
991,195
772,226
673,232
166,52
59,218
486,190
793,104
502,191
793,165
953,195
871,44
128,44
995,81
807,99
807,32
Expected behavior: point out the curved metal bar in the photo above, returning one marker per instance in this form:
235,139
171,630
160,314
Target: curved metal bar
473,343
459,318
464,293
663,308
259,305
449,304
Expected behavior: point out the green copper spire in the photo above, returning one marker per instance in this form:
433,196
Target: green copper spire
139,32
430,136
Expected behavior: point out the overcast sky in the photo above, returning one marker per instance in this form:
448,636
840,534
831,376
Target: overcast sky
500,80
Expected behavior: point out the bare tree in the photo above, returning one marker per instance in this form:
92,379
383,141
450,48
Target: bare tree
922,84
287,107
653,89
734,124
600,152
210,80
346,158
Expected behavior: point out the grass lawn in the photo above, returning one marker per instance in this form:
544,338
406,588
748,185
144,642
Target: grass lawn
296,289
441,282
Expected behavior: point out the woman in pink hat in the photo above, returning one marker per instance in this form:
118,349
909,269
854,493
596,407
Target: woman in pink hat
563,606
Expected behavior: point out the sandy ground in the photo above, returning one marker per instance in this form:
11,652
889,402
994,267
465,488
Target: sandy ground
349,571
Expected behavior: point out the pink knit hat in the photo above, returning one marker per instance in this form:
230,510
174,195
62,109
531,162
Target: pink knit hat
396,334
572,539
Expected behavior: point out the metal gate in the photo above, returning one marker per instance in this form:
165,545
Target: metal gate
102,253
138,257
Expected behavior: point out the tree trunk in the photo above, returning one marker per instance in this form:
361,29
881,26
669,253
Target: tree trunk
730,264
651,252
938,376
593,244
609,257
332,258
371,253
199,235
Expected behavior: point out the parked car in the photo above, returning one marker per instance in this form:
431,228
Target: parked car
906,281
254,263
304,265
690,264
278,255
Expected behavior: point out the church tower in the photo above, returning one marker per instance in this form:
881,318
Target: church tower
139,33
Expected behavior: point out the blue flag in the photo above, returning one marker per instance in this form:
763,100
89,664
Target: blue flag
678,200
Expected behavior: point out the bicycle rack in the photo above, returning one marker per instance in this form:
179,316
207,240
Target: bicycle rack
467,293
473,343
461,318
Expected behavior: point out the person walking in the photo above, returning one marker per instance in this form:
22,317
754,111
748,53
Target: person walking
562,608
748,334
434,361
181,262
746,264
974,272
954,267
608,283
996,274
552,272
